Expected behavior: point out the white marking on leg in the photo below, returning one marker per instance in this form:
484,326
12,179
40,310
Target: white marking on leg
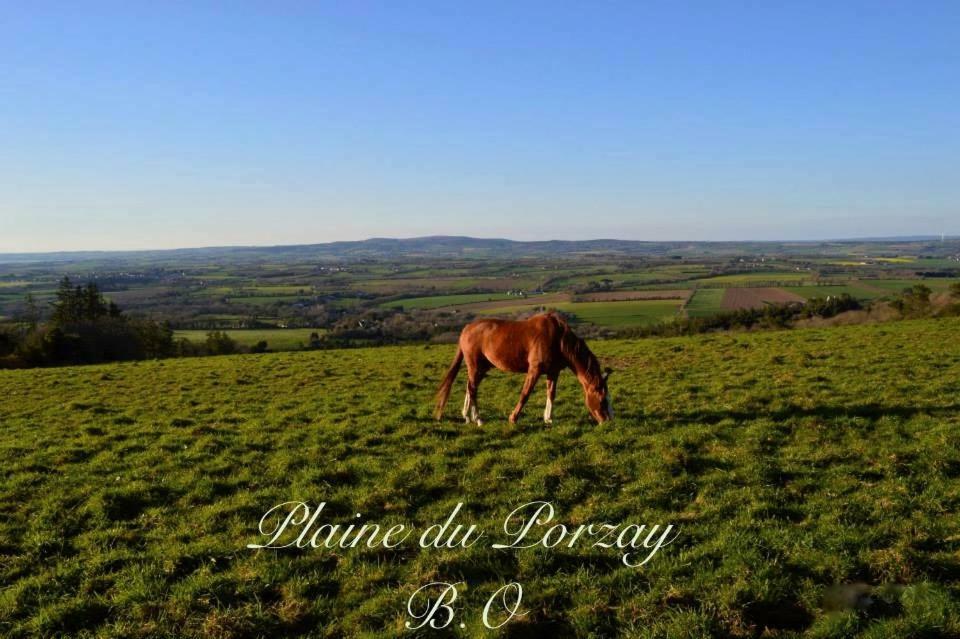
475,414
466,407
548,412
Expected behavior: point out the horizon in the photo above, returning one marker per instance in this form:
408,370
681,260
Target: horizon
839,240
138,127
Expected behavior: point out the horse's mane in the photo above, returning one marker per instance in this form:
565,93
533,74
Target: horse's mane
578,354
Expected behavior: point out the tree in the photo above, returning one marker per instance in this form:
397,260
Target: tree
921,293
219,343
84,327
76,304
66,308
31,311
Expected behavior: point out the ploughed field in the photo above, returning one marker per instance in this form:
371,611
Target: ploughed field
741,298
801,467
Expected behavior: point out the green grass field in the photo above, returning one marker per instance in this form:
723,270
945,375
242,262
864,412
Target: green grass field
748,279
439,301
278,339
858,291
793,462
265,300
705,302
622,314
896,286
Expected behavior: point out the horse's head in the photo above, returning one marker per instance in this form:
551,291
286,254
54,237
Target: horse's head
598,399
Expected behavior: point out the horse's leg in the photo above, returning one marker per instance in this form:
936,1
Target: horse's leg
466,406
533,374
551,394
474,377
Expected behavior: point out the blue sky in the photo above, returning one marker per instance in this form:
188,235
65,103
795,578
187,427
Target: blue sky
154,125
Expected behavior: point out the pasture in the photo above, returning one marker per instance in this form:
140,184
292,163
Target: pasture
854,289
277,339
442,301
617,314
795,463
755,279
705,302
895,286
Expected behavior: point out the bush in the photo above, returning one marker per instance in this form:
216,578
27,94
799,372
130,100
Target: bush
219,343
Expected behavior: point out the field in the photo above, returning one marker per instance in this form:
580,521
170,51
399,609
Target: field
855,289
398,290
277,339
623,314
756,279
895,286
621,296
758,297
797,464
439,301
705,302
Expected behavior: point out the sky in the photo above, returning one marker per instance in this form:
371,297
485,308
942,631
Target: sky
135,125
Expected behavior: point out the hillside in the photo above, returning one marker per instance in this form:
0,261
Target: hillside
793,462
445,246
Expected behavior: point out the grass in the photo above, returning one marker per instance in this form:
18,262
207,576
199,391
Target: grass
624,279
264,300
276,290
897,286
439,301
747,279
793,462
278,339
620,314
854,290
705,302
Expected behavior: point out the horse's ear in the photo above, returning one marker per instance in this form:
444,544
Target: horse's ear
606,373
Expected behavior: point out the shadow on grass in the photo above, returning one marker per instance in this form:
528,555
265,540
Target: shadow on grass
862,411
781,615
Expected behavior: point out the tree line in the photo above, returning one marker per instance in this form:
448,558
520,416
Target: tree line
85,328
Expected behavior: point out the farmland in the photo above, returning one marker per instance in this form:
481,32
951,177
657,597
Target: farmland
278,339
854,289
797,464
754,297
400,290
440,301
705,302
623,313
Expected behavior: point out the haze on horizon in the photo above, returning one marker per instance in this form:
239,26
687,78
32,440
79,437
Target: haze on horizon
140,127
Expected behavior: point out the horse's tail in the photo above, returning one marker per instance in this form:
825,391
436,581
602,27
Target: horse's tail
444,391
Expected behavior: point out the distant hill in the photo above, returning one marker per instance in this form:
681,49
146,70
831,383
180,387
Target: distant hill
441,246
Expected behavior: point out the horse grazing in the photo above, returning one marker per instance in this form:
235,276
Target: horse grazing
541,345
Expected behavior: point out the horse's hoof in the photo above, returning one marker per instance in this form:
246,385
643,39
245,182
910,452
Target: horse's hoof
479,422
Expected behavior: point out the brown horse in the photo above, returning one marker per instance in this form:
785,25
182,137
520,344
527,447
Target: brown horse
541,345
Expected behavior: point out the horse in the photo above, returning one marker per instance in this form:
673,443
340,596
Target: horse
541,345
